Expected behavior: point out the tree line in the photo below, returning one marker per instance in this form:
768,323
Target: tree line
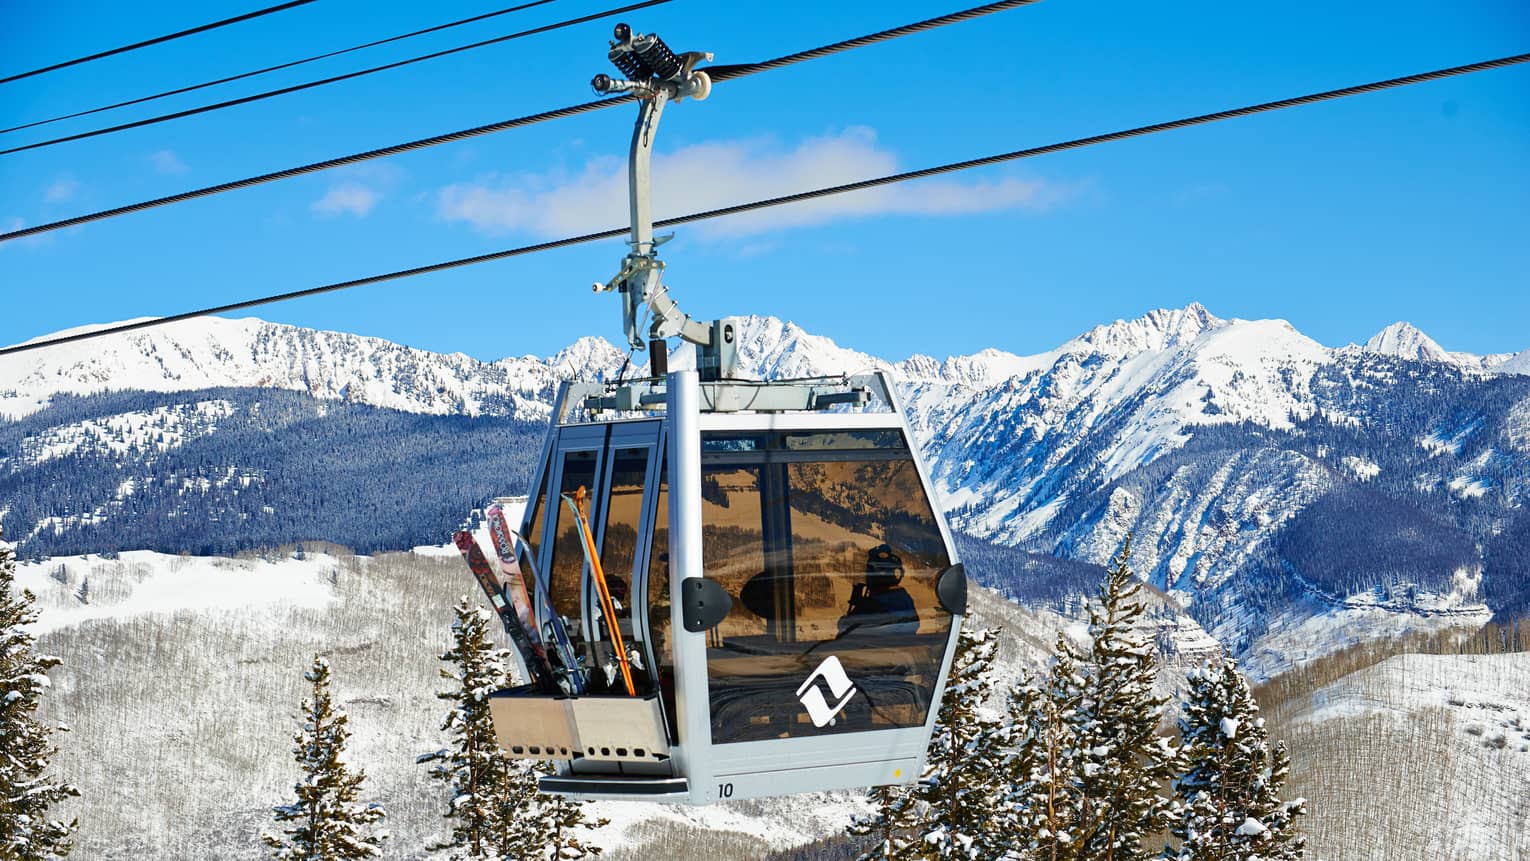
1077,764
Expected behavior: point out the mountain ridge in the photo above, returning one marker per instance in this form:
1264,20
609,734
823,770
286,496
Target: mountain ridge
1212,440
196,354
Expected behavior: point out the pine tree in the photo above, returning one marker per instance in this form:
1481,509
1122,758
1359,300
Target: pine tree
893,822
328,823
1041,810
26,792
564,822
1123,764
520,831
1228,805
961,775
474,768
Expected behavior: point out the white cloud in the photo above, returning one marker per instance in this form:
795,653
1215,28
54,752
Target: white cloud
166,161
63,189
711,175
347,198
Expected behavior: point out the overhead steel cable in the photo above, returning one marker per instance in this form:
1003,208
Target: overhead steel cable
159,39
278,67
533,119
560,113
736,209
244,100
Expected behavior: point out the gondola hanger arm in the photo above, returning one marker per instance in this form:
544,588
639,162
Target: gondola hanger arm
656,75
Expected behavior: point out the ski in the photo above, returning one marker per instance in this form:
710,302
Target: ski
510,570
577,503
532,655
506,541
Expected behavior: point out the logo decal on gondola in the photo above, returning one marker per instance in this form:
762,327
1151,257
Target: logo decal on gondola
832,674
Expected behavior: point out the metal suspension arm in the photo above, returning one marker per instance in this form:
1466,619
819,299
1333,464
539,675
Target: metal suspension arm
657,76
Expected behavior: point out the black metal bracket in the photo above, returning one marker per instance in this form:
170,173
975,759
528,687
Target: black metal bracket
704,603
951,589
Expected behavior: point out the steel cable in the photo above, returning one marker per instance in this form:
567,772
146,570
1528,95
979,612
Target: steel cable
308,85
730,71
239,77
158,39
951,167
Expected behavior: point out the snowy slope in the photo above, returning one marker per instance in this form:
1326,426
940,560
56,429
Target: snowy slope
181,676
1418,757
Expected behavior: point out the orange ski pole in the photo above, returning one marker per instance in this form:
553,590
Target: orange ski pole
607,606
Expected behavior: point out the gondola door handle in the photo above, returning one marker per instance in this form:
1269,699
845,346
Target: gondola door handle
705,604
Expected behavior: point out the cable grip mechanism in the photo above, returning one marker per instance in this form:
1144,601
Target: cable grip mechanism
656,75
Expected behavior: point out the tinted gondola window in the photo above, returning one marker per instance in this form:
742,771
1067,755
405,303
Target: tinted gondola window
830,549
624,518
565,573
533,534
658,601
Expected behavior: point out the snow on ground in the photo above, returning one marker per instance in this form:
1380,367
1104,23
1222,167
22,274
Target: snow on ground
1363,468
1298,635
434,550
158,429
1448,439
1419,756
774,823
142,582
1466,487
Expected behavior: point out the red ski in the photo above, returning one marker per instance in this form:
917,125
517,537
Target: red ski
532,654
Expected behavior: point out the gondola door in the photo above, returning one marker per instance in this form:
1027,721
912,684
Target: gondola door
577,460
626,502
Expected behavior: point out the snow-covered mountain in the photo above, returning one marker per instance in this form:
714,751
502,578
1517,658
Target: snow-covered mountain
1248,460
214,352
1406,341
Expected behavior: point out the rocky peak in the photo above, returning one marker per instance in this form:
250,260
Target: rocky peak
1404,340
1154,331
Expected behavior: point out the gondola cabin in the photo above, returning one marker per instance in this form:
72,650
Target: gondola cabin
784,588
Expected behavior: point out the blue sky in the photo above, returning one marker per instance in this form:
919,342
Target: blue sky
1340,217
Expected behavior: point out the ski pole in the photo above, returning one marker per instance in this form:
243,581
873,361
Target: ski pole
577,503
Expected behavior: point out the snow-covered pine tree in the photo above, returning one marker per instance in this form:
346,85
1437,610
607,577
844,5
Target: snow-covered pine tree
26,791
1041,810
1012,834
475,770
960,784
566,826
328,823
1123,765
892,822
520,832
1228,805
